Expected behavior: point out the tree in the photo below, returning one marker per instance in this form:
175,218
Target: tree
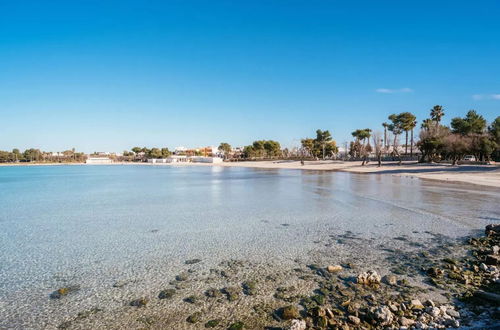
494,131
153,153
408,122
323,138
396,127
385,125
363,147
377,144
137,150
308,145
165,153
432,142
472,123
225,148
437,113
456,147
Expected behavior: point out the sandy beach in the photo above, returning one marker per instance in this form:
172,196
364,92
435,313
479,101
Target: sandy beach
484,175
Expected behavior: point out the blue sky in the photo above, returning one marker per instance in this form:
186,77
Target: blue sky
110,75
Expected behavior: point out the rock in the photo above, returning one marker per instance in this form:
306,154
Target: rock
368,278
297,325
492,230
435,272
290,312
433,311
405,322
381,314
59,293
483,267
213,293
194,318
166,294
232,293
141,302
453,313
192,299
390,280
182,277
495,249
120,284
192,261
492,260
429,302
250,288
212,323
416,304
354,320
236,326
334,268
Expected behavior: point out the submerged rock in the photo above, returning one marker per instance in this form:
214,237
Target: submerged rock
237,326
250,288
166,294
290,312
212,323
232,293
334,268
141,302
192,261
390,280
194,318
59,293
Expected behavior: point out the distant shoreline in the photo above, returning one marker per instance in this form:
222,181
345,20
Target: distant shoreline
484,175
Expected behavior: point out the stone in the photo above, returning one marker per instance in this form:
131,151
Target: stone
182,277
141,302
212,323
59,293
166,294
120,284
405,322
495,249
191,299
290,312
192,261
354,320
483,267
334,268
435,272
213,293
390,280
492,260
453,313
492,230
416,304
194,318
382,315
297,325
250,288
433,311
232,293
236,326
368,278
429,302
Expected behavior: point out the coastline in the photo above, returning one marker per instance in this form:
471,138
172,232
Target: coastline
482,175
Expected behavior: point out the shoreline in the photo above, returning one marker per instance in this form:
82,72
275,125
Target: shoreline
478,175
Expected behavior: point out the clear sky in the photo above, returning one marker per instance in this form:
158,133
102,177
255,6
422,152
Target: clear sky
110,75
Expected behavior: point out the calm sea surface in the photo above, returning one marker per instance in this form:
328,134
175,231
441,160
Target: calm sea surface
94,225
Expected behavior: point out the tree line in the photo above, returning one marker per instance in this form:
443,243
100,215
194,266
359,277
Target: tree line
36,155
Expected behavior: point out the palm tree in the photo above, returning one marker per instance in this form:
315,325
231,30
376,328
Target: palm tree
408,121
412,126
437,113
426,124
385,133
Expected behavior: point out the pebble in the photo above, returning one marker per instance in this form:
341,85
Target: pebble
334,268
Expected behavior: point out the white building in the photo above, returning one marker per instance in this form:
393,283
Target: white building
198,159
98,160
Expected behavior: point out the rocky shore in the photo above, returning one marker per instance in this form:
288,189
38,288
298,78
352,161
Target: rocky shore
449,286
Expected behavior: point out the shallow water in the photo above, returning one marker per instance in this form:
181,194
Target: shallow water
94,225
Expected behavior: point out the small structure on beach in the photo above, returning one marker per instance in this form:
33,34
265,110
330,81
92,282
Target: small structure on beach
98,160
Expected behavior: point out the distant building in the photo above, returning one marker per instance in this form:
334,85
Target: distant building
98,160
199,159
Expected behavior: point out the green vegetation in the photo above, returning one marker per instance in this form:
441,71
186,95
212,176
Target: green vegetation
322,146
36,155
263,149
